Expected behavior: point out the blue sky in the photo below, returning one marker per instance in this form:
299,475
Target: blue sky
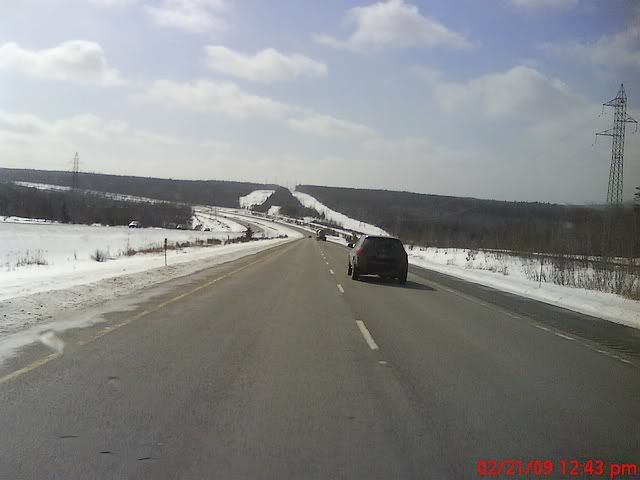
493,98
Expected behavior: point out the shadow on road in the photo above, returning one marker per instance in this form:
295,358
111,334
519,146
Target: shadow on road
391,283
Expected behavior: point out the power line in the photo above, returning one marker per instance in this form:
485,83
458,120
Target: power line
616,172
76,171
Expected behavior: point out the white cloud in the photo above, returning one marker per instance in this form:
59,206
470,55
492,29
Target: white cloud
76,61
213,96
267,65
546,4
112,3
619,49
394,24
197,16
329,126
521,91
104,145
227,98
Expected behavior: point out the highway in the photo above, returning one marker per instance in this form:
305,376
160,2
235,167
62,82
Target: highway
280,366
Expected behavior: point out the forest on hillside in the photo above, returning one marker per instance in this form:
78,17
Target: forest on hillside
206,192
445,221
87,208
289,205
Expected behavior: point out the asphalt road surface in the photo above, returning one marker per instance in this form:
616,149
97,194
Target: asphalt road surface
279,366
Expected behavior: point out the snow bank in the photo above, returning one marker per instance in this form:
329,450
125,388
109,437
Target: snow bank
506,273
209,217
339,218
35,257
274,210
56,308
257,197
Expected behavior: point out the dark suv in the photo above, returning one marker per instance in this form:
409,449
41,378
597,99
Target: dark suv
384,256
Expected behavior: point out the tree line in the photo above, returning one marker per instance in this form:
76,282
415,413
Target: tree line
459,222
203,192
88,208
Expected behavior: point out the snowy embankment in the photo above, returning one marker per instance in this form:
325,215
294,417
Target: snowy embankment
34,257
513,274
209,218
337,217
257,197
48,272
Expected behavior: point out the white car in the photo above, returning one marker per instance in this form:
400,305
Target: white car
135,224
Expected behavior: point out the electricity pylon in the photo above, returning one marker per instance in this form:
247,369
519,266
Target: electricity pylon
620,119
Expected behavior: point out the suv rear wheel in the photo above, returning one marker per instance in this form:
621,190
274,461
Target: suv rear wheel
402,278
354,273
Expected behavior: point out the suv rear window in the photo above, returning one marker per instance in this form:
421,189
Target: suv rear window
375,244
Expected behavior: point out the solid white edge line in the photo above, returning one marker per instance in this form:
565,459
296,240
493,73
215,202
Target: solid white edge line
566,337
367,336
340,288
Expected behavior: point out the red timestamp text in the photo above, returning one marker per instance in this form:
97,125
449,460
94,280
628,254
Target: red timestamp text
597,468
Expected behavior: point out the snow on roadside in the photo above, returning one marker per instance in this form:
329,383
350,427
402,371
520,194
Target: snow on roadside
507,274
274,210
35,257
24,319
208,217
337,217
257,197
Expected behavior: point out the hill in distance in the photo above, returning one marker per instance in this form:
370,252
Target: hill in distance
207,192
448,221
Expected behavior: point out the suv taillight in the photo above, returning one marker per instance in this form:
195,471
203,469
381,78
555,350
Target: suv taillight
359,252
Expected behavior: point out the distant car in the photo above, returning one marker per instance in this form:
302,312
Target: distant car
207,229
321,234
383,256
135,224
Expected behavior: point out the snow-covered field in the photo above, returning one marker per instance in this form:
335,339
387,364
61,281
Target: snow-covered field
33,257
257,197
208,217
508,273
337,217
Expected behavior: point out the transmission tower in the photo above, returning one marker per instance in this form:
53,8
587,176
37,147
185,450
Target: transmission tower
76,171
620,119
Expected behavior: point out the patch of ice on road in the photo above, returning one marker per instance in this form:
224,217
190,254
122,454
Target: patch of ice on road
257,197
51,340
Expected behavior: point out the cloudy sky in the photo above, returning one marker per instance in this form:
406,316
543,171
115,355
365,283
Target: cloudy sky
493,98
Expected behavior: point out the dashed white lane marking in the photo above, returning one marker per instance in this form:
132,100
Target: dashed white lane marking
327,263
561,335
367,336
540,327
340,288
331,272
